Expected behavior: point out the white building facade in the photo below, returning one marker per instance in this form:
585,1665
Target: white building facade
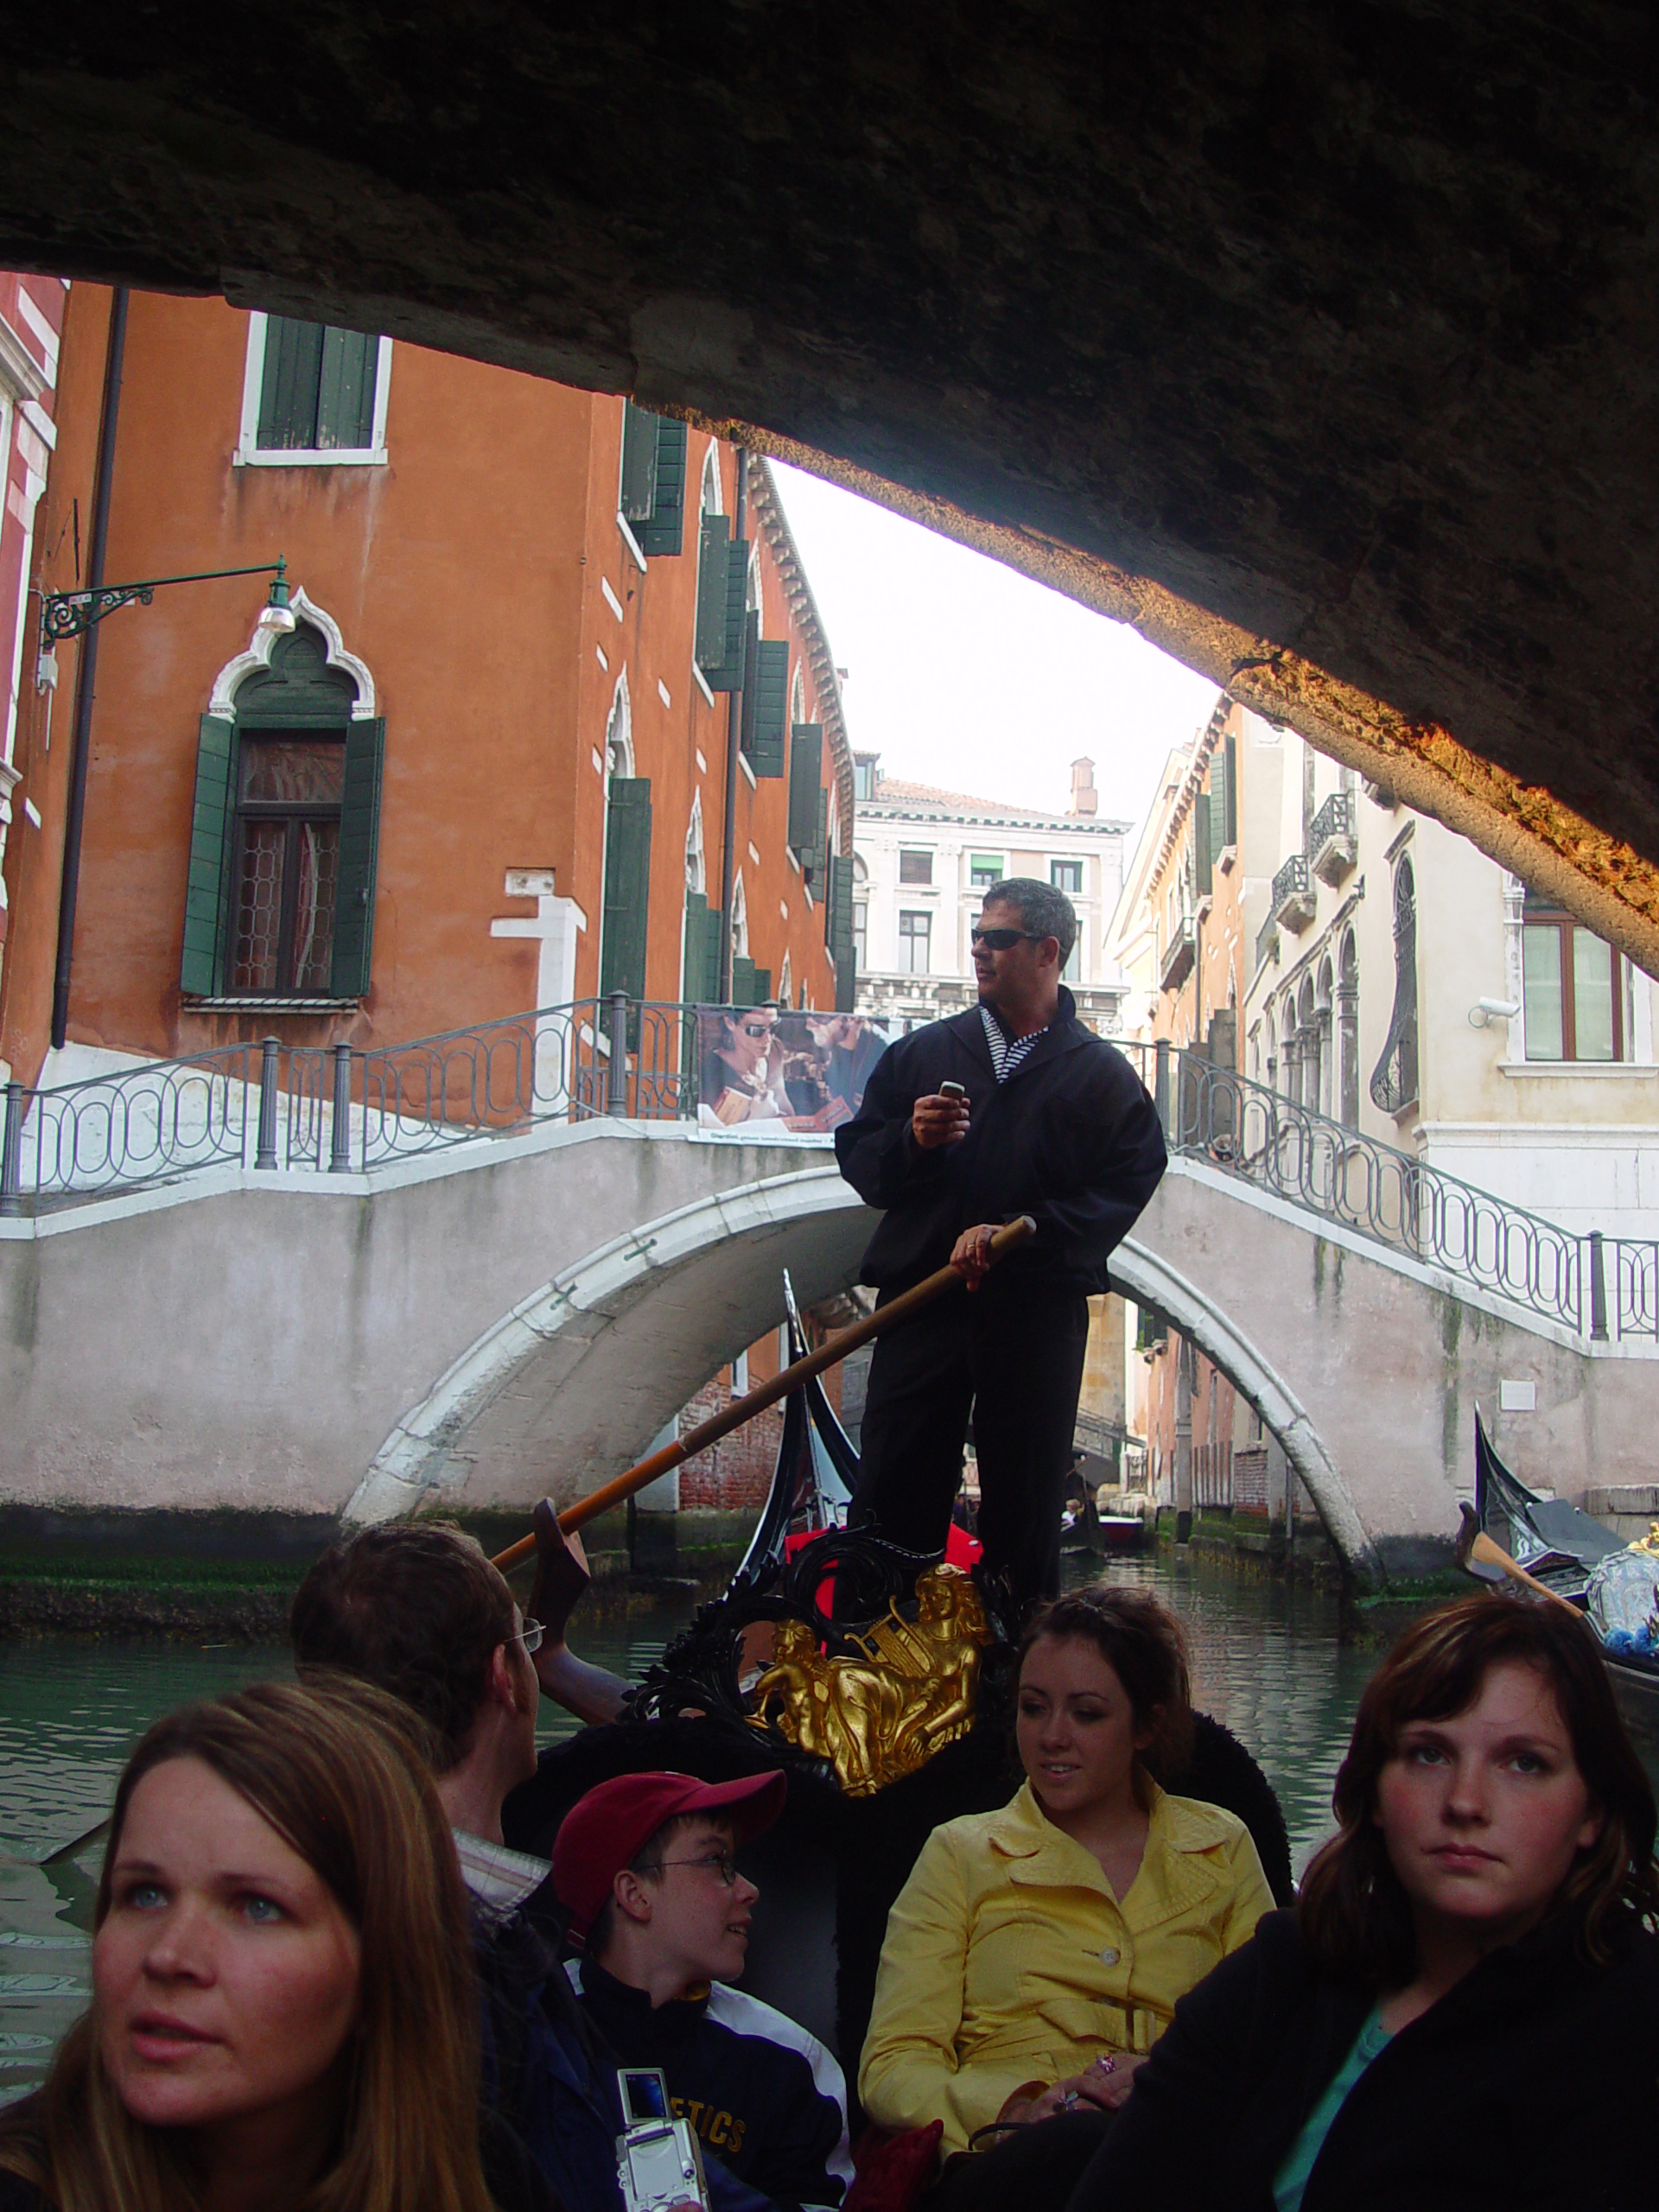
923,861
1404,984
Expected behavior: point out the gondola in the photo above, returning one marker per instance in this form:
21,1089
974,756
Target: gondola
1558,1546
830,1870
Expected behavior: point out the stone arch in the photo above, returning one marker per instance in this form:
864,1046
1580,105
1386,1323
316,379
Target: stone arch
566,1321
1151,1280
257,660
619,731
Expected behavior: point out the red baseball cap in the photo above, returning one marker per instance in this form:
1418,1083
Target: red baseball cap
604,1831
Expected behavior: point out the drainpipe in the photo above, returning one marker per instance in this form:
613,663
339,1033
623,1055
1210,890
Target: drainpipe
734,739
86,672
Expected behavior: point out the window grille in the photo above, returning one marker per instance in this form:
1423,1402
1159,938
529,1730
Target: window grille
1393,1079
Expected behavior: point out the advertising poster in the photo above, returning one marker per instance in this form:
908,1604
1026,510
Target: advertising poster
803,1073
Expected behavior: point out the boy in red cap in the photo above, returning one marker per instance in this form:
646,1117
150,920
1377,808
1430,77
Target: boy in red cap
644,1864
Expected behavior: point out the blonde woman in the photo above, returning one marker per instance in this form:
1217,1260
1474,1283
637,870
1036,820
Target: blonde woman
283,2014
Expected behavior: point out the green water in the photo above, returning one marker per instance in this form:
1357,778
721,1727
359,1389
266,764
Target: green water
1268,1662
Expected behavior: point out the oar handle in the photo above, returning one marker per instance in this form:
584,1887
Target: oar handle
766,1393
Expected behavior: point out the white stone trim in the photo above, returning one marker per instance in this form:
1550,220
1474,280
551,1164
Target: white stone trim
249,452
408,1463
222,700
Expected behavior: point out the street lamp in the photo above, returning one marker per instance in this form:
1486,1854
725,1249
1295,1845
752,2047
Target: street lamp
69,613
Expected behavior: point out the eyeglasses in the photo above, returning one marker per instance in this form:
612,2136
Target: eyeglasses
530,1636
758,1028
719,1863
1004,940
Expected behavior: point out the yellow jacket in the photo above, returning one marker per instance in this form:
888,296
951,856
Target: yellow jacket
1008,1960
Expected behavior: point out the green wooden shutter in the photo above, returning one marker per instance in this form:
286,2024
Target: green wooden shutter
747,703
639,464
742,980
841,945
701,973
359,844
768,686
206,891
1201,857
287,389
1229,804
816,862
762,987
713,575
665,533
345,389
805,767
628,886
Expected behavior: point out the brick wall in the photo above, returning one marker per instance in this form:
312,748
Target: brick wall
736,1472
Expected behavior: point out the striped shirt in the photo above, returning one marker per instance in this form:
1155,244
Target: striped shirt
1008,1054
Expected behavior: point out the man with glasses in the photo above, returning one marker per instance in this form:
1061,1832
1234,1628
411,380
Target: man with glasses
643,1867
1015,1107
420,1613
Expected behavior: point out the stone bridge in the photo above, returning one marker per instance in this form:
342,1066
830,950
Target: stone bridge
520,1315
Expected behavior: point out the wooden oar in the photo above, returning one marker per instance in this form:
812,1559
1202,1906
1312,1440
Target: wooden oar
1473,1543
68,1850
766,1394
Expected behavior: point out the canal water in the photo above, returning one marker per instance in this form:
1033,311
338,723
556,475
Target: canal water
1268,1662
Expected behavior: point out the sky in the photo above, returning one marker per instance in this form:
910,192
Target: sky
961,673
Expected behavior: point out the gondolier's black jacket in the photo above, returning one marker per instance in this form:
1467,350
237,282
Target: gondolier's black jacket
1529,2086
1071,1139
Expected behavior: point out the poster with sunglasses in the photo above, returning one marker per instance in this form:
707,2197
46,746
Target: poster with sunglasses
802,1074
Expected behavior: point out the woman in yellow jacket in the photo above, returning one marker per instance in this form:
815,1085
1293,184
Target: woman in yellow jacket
1036,1954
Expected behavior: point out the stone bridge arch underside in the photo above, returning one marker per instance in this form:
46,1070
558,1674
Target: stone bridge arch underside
1314,342
1366,1365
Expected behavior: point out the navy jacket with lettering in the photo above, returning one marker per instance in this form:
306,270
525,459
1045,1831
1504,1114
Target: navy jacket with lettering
1071,1139
766,2099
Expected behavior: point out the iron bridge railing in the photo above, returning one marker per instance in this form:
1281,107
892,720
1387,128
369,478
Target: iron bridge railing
331,1108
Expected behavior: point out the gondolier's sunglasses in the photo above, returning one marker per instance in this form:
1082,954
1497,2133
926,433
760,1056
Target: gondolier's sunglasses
1004,940
758,1029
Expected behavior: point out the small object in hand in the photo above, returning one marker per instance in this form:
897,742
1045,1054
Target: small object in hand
953,1090
1070,2098
1106,2062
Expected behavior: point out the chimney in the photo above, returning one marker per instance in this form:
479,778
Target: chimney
1085,799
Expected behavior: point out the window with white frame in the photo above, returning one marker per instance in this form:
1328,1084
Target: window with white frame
312,395
983,870
1575,987
915,941
1067,876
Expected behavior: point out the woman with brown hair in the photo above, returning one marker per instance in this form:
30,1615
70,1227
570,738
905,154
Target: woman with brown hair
283,2014
1464,2008
1036,1954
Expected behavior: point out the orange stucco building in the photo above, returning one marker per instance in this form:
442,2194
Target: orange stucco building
488,769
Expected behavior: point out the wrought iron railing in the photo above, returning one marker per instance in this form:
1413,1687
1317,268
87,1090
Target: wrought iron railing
1600,1287
272,1107
1289,883
1334,819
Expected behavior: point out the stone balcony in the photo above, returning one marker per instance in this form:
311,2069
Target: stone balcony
1332,848
1292,905
1175,964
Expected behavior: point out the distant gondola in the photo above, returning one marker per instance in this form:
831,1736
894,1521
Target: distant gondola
1560,1547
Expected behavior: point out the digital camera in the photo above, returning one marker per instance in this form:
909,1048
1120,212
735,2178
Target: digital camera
658,2161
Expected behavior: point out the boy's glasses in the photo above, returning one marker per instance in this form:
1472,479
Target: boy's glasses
530,1636
719,1863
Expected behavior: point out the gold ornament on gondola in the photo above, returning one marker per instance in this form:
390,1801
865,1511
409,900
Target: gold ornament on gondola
875,1719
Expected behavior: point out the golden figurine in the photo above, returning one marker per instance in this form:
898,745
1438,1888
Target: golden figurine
1649,1543
884,1715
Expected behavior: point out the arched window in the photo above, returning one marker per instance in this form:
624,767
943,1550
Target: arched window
694,868
1393,1079
1270,1057
1324,1010
622,937
740,920
753,597
797,696
1348,1031
713,497
279,899
1307,1046
786,984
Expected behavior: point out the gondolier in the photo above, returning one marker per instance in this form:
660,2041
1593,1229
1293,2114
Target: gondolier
1014,1107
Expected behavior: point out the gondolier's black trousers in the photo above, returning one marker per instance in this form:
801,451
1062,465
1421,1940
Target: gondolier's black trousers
1010,1354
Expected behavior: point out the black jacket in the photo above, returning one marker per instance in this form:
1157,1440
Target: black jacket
1071,1138
1530,2086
